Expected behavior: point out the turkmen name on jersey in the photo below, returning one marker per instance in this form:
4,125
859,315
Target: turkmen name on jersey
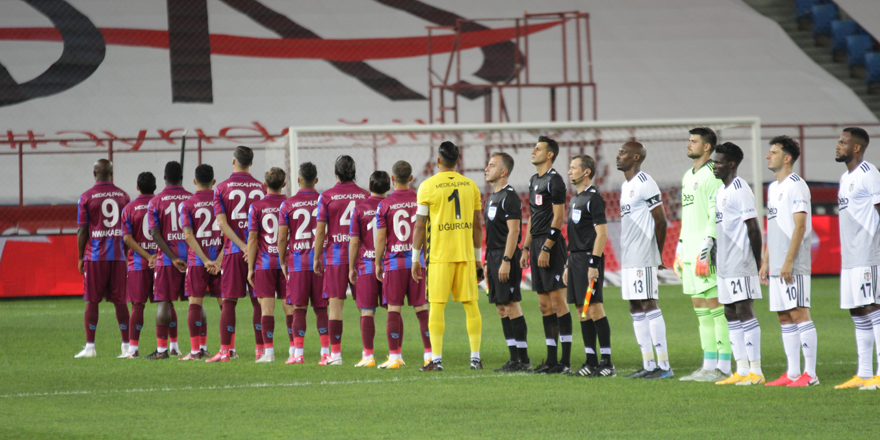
341,237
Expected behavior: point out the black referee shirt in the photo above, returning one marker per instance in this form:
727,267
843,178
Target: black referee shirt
587,210
501,206
544,192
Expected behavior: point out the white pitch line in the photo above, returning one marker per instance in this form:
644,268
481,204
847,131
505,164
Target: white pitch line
251,385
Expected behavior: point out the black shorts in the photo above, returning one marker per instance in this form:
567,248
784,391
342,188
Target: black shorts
503,292
547,279
579,281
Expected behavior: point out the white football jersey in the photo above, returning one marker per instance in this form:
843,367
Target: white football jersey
859,191
733,206
637,198
783,201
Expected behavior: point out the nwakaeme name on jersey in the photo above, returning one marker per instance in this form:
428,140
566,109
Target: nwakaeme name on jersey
734,205
857,194
638,197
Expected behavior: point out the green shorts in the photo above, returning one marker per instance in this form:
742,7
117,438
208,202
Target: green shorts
695,286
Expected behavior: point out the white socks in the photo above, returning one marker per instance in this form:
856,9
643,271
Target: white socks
658,336
643,337
865,345
752,338
791,342
738,347
809,342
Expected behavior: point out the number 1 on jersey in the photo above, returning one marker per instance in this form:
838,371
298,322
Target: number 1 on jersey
452,197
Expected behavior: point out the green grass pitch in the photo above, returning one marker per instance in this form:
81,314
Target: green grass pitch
45,393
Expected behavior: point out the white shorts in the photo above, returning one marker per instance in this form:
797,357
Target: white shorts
639,283
858,287
788,296
733,290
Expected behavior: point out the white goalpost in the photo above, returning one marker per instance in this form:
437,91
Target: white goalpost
378,147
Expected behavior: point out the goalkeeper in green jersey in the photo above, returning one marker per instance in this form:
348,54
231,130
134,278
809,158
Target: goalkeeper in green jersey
695,257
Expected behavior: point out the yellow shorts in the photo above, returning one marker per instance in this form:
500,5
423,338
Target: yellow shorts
459,278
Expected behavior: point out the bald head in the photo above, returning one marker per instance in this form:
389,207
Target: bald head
103,170
636,148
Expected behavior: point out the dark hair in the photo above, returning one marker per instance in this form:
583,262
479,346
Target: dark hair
308,172
380,183
789,147
173,173
275,178
402,170
731,152
204,174
345,168
859,135
244,156
506,161
706,134
587,163
448,154
552,145
147,183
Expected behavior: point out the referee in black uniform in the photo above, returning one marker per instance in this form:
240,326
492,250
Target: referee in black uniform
547,255
503,217
587,235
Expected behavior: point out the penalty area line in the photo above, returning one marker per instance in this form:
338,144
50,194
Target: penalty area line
250,385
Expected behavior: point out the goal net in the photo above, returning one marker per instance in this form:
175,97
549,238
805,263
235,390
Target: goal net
379,147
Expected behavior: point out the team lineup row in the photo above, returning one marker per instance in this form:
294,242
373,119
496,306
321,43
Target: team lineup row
243,238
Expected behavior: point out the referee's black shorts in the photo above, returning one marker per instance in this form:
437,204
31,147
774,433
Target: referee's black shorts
579,281
503,292
547,279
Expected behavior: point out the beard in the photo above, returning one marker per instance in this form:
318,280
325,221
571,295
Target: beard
842,159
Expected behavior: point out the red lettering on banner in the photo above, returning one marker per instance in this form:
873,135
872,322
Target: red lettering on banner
91,136
134,146
10,136
166,134
224,132
201,134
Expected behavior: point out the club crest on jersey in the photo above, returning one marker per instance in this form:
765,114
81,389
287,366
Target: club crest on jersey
868,275
576,215
724,201
851,186
639,273
632,193
696,184
538,199
780,197
492,210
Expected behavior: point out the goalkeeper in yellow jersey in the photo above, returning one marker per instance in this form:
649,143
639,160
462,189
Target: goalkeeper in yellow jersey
695,257
449,210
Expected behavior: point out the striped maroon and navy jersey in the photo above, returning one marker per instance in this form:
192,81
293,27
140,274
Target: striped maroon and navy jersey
100,210
363,226
136,224
263,219
164,212
300,214
397,214
197,213
234,197
336,208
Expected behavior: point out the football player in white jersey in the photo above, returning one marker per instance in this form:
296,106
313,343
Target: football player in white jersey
739,255
858,199
785,265
643,233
